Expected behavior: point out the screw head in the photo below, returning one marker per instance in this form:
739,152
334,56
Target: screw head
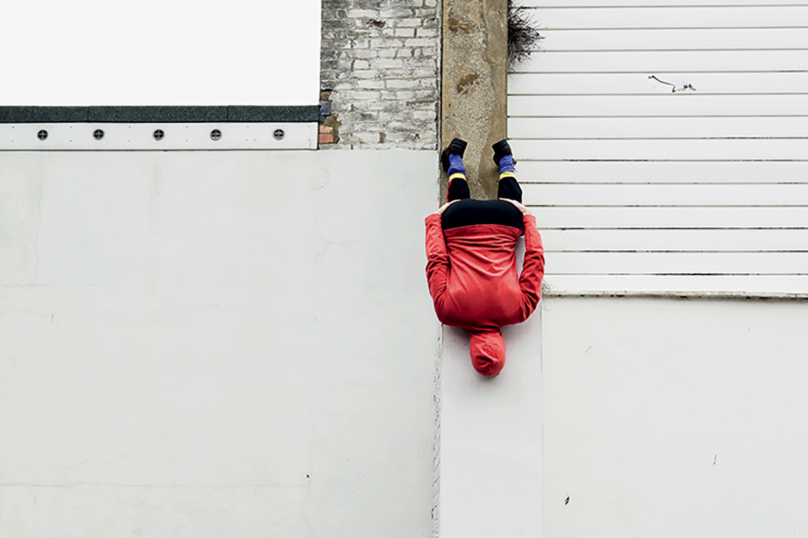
42,135
158,134
215,135
98,134
279,134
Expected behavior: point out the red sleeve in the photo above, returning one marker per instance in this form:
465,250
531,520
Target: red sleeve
437,265
532,268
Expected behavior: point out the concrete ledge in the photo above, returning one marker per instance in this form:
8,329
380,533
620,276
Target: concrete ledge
716,295
474,86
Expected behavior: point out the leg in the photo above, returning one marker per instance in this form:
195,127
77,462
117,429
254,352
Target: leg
458,187
451,159
508,186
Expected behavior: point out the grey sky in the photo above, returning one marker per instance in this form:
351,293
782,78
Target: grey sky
160,52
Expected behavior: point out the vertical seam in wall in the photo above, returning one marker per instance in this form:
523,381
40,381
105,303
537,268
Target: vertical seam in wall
541,311
436,400
439,75
438,376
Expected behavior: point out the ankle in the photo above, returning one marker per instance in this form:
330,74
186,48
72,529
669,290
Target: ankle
506,164
456,165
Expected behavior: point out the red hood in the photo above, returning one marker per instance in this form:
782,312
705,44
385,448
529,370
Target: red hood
487,348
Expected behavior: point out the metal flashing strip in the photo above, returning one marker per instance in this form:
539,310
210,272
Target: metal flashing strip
144,128
167,136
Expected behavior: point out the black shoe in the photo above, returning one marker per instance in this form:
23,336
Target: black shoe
501,149
456,147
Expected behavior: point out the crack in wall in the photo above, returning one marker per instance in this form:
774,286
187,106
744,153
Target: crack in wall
436,399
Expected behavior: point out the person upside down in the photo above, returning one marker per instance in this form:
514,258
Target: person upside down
471,258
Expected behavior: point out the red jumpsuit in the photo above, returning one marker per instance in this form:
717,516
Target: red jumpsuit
473,281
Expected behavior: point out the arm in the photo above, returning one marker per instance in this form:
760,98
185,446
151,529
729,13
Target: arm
437,266
532,268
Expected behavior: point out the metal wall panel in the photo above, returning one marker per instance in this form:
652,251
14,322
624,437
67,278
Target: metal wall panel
663,145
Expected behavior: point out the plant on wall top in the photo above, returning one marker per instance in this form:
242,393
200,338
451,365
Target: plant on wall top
522,34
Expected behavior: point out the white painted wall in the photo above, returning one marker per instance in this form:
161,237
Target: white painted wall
673,418
215,344
490,442
662,145
490,467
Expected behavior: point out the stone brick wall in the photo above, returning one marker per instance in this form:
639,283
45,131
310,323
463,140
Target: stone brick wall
379,69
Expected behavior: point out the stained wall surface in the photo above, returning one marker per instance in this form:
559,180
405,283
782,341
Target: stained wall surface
218,344
674,418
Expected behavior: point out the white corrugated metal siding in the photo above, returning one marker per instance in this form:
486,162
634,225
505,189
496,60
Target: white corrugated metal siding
663,145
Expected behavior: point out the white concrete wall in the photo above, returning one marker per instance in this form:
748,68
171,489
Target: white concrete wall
673,418
215,344
491,437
